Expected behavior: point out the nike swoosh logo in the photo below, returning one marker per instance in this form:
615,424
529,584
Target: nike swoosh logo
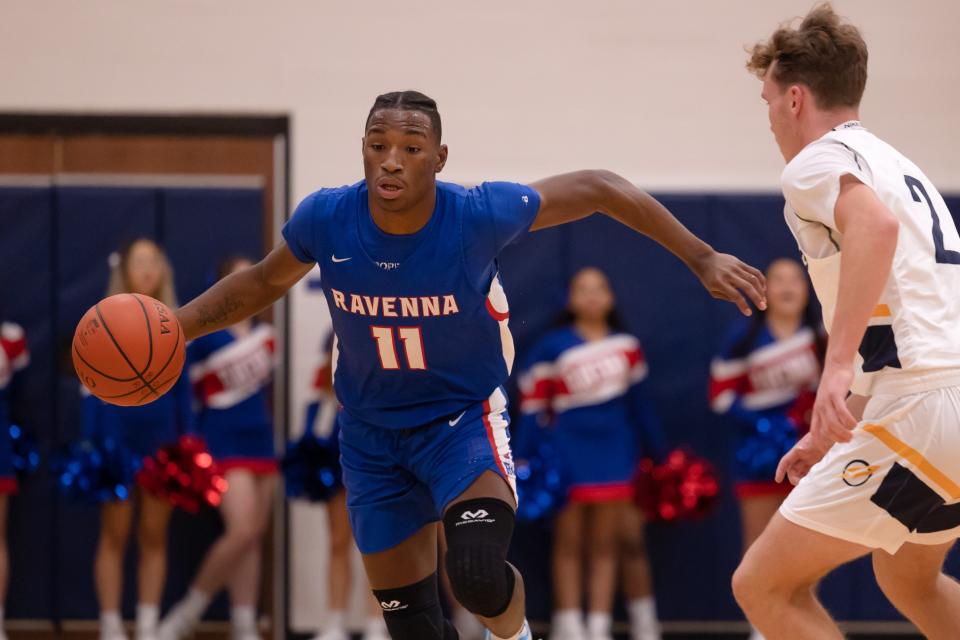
336,259
453,423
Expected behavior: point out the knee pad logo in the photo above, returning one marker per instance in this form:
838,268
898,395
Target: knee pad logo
478,516
393,605
857,473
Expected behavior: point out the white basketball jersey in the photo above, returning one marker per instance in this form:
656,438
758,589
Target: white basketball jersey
916,324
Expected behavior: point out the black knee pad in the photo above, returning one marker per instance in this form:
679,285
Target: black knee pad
413,612
478,536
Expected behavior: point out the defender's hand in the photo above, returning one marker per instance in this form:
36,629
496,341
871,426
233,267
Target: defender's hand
832,420
808,451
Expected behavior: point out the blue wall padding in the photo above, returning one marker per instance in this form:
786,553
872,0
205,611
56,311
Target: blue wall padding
55,249
55,246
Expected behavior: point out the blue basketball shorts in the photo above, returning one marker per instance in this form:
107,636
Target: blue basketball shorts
399,480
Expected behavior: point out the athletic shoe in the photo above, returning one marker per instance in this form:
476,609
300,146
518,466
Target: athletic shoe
176,625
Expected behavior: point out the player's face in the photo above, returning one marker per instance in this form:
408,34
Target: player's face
787,290
781,111
144,268
401,157
591,298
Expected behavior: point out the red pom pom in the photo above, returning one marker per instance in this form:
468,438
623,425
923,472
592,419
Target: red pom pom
684,487
801,411
184,475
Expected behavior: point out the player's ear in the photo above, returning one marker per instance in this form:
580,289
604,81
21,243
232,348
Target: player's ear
441,158
796,98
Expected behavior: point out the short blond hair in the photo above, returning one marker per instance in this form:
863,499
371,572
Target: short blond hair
827,55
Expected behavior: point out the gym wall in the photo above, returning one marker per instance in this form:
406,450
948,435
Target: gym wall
655,90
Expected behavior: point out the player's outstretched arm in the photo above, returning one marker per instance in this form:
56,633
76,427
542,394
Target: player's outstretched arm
572,196
242,294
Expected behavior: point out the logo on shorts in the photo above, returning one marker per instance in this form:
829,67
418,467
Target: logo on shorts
393,605
473,517
858,472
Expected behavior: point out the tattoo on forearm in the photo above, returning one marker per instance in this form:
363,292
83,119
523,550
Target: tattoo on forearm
216,314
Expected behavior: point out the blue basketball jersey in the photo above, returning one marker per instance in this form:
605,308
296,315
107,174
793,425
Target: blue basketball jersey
420,319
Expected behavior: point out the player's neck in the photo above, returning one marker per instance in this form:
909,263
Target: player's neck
822,122
406,221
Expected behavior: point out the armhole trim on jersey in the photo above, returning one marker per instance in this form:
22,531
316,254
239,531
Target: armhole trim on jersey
856,156
836,245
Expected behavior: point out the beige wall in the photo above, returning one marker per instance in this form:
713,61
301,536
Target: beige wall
652,89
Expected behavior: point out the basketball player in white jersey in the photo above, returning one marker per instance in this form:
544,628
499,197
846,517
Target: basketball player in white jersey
879,472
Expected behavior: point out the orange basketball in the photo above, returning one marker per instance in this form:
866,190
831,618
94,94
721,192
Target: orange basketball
128,349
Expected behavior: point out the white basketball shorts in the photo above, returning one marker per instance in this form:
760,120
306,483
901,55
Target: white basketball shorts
898,480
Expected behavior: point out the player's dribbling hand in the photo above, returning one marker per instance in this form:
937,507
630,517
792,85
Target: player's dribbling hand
808,451
832,420
726,278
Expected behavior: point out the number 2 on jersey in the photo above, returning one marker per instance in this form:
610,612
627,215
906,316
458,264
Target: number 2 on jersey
941,253
412,339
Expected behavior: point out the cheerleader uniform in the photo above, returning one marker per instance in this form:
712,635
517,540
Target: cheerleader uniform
591,395
14,356
139,430
230,377
769,386
322,409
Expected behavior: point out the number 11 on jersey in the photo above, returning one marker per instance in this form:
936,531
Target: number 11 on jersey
412,339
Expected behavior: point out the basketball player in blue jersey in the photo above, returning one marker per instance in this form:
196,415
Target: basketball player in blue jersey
409,268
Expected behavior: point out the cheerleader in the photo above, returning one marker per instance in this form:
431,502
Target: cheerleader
140,267
322,420
230,371
766,376
14,357
583,381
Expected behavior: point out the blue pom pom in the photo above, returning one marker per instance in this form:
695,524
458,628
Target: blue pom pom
760,451
95,472
26,456
311,468
541,489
